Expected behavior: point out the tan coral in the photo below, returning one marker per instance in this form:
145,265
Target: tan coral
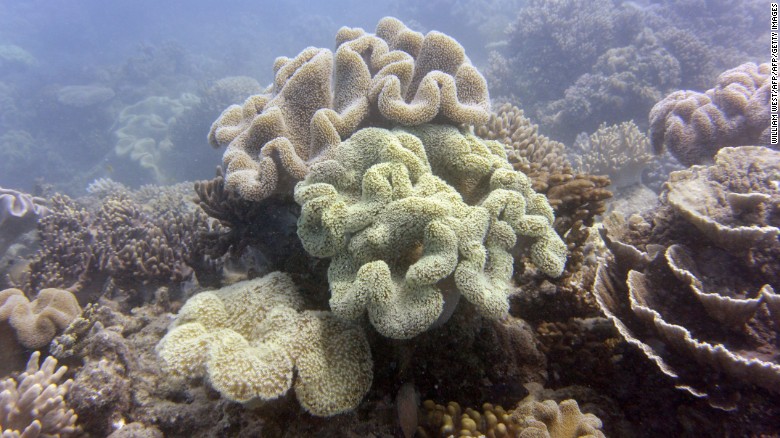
705,196
734,113
37,322
527,149
396,76
35,405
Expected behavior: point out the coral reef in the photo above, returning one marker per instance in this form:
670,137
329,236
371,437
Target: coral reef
34,404
693,285
151,236
36,322
529,418
529,151
622,85
143,131
82,96
250,338
575,65
402,212
693,125
621,152
574,35
396,76
19,213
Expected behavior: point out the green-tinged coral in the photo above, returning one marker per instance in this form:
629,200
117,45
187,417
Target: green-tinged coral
396,76
251,338
411,216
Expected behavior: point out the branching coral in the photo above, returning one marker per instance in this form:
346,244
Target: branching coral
268,225
620,151
413,216
396,76
131,243
35,405
701,280
528,150
250,338
695,125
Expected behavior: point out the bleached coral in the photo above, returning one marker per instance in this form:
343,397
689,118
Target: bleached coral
620,151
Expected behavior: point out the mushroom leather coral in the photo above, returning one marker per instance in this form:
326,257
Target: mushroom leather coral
418,216
249,339
37,322
394,77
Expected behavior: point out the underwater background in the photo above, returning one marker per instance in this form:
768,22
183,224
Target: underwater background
490,218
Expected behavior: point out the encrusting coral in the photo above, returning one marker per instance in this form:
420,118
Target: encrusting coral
693,286
394,77
413,218
693,125
34,405
249,339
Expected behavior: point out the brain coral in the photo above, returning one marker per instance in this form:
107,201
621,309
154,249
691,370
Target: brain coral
396,77
413,218
249,339
696,290
695,125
